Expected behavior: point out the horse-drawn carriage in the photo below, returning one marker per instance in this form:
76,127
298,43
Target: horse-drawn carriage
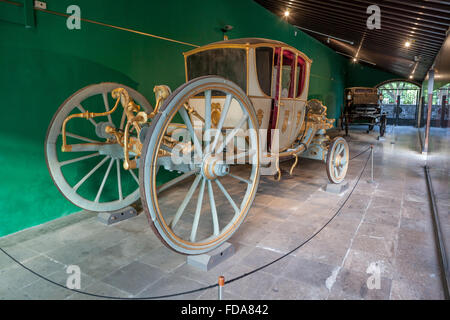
363,107
200,152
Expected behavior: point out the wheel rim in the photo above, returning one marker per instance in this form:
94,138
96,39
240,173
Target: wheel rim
93,180
337,160
201,212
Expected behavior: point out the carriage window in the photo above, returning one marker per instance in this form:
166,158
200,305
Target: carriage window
287,74
229,63
301,75
264,62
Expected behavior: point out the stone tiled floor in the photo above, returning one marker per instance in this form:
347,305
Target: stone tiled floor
387,222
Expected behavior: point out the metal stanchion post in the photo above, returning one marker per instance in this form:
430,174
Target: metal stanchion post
221,284
371,165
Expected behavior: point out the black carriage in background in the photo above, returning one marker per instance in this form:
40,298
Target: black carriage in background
363,107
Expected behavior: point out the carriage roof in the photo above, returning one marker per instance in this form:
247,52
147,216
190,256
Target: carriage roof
245,43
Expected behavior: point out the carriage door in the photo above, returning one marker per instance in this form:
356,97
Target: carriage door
300,99
284,102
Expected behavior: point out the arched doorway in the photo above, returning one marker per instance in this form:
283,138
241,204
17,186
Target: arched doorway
400,101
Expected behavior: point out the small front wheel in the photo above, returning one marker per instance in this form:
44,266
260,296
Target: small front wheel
337,160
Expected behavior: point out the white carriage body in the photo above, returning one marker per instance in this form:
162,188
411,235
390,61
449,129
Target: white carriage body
279,98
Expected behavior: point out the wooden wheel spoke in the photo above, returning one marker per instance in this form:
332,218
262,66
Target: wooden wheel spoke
223,116
208,116
105,177
208,110
187,121
212,204
133,175
65,163
175,181
90,173
240,179
105,101
119,180
227,195
198,211
241,155
341,148
185,202
75,136
336,172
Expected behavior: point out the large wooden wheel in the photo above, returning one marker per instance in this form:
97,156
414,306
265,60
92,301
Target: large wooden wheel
91,176
200,209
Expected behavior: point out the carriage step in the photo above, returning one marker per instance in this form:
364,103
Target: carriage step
113,217
207,261
337,188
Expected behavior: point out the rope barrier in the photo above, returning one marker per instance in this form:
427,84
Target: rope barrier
361,153
213,285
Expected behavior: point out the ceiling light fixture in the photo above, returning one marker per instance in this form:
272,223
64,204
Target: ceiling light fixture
286,13
357,59
407,44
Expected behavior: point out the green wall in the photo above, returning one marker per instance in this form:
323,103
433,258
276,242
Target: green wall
363,76
40,67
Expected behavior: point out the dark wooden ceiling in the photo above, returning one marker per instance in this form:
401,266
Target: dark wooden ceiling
423,23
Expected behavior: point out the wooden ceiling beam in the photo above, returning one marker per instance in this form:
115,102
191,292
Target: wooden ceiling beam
350,6
343,13
403,8
333,24
423,5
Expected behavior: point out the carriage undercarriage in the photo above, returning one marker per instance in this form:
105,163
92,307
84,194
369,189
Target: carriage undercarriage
147,140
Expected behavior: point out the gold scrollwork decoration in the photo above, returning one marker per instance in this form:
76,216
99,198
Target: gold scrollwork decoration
216,110
299,118
285,122
260,116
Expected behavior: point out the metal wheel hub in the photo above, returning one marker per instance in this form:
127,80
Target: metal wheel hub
337,162
100,130
213,167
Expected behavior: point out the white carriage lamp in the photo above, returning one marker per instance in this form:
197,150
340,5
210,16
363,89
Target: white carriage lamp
226,29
